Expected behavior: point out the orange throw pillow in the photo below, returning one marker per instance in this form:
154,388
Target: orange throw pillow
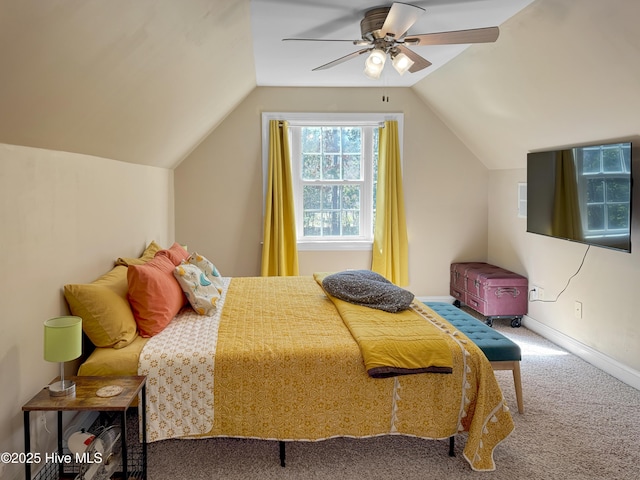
176,254
154,294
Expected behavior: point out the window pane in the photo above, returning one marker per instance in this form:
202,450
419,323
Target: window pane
331,139
618,216
351,167
351,197
350,223
611,159
331,224
310,167
331,167
595,190
311,139
591,161
617,190
351,139
311,197
595,217
331,210
312,224
330,197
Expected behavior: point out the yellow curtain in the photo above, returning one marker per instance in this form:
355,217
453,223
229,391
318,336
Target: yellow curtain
567,221
279,249
390,246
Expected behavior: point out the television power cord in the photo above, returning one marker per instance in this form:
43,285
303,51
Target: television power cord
566,286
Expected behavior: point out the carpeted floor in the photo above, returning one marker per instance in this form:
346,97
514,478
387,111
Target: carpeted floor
579,423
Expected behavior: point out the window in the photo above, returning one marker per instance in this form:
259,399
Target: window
334,170
334,166
605,186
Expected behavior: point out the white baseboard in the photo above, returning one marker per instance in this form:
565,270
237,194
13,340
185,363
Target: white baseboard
605,363
445,298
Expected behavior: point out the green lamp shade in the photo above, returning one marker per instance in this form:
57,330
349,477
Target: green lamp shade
62,339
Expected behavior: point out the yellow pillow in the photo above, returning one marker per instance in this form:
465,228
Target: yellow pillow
105,311
109,362
147,255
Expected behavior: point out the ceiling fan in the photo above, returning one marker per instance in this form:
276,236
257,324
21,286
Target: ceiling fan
384,32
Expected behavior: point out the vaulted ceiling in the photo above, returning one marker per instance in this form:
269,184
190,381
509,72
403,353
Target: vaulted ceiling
291,63
141,81
145,81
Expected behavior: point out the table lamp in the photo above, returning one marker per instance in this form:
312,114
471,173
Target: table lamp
62,343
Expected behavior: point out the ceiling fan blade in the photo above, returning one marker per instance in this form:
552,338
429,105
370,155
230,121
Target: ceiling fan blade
399,19
342,59
475,35
419,62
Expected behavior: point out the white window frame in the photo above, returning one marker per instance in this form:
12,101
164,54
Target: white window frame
299,119
582,191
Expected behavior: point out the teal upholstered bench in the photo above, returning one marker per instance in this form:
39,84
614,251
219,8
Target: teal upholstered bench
503,353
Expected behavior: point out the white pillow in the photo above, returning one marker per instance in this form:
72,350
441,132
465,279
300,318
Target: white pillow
201,293
207,267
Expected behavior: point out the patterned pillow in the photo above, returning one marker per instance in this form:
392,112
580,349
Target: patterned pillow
200,291
207,267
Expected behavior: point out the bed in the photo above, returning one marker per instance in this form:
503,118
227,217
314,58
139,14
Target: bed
277,362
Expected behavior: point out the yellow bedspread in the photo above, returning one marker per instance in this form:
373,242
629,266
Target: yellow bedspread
394,343
287,368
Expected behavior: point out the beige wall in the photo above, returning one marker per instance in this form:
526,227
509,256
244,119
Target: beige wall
64,219
219,188
561,73
606,285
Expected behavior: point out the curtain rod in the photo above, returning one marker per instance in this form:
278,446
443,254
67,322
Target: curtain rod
336,124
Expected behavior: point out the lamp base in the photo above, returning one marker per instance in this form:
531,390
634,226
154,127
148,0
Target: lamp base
63,388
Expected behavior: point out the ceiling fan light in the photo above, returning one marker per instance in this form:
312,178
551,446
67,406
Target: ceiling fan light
377,57
373,72
375,64
402,63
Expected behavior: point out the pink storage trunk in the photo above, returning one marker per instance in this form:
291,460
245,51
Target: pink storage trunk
458,284
490,290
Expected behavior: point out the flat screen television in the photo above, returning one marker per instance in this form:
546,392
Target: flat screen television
583,194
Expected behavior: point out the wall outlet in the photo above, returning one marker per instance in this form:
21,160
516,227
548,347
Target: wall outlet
537,293
577,310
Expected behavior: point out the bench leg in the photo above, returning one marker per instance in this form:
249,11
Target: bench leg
514,366
518,384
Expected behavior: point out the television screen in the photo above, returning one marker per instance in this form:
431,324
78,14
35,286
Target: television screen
582,194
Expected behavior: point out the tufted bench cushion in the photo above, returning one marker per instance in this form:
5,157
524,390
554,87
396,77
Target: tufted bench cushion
504,354
495,346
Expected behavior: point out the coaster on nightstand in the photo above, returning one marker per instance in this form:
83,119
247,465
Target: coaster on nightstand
109,391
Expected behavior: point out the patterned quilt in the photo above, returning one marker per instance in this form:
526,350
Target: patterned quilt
179,374
287,368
